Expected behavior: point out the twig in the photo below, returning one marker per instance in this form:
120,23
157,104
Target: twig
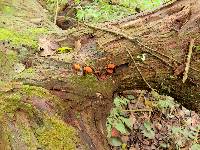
139,97
187,65
139,70
56,12
138,110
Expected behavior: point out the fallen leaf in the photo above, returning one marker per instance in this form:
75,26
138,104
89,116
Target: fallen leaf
19,67
115,132
5,87
148,103
132,119
115,141
48,46
180,69
77,45
125,138
36,20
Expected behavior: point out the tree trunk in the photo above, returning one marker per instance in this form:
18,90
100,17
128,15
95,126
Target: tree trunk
149,51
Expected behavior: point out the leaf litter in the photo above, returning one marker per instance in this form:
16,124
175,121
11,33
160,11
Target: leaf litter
153,122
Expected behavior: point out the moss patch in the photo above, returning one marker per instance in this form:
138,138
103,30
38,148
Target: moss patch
24,125
91,85
27,37
55,135
7,61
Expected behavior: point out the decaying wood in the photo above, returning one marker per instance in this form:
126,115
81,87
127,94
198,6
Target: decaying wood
163,36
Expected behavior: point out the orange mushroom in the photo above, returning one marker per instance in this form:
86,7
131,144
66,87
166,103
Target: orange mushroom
110,71
111,66
87,70
77,67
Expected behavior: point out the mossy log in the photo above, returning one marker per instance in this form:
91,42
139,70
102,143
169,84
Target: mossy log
146,48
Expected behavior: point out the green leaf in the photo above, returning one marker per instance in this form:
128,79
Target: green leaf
188,134
117,102
149,134
176,130
77,1
167,103
131,97
147,125
195,147
164,145
148,131
115,141
155,95
127,122
80,14
120,127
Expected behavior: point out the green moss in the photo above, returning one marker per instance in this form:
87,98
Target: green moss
35,91
51,5
49,133
27,73
26,134
7,10
9,103
56,135
91,85
7,61
27,37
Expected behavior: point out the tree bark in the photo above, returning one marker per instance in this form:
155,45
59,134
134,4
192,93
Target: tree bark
161,37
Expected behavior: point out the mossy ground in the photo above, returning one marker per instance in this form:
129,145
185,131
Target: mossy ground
36,128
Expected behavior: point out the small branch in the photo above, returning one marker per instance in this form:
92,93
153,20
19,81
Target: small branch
138,110
139,70
56,12
187,65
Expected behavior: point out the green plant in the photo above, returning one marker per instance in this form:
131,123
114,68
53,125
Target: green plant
118,120
195,147
102,10
52,4
181,135
147,130
166,102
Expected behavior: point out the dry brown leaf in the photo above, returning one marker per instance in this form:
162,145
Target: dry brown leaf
180,69
132,119
48,46
148,103
125,138
77,45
